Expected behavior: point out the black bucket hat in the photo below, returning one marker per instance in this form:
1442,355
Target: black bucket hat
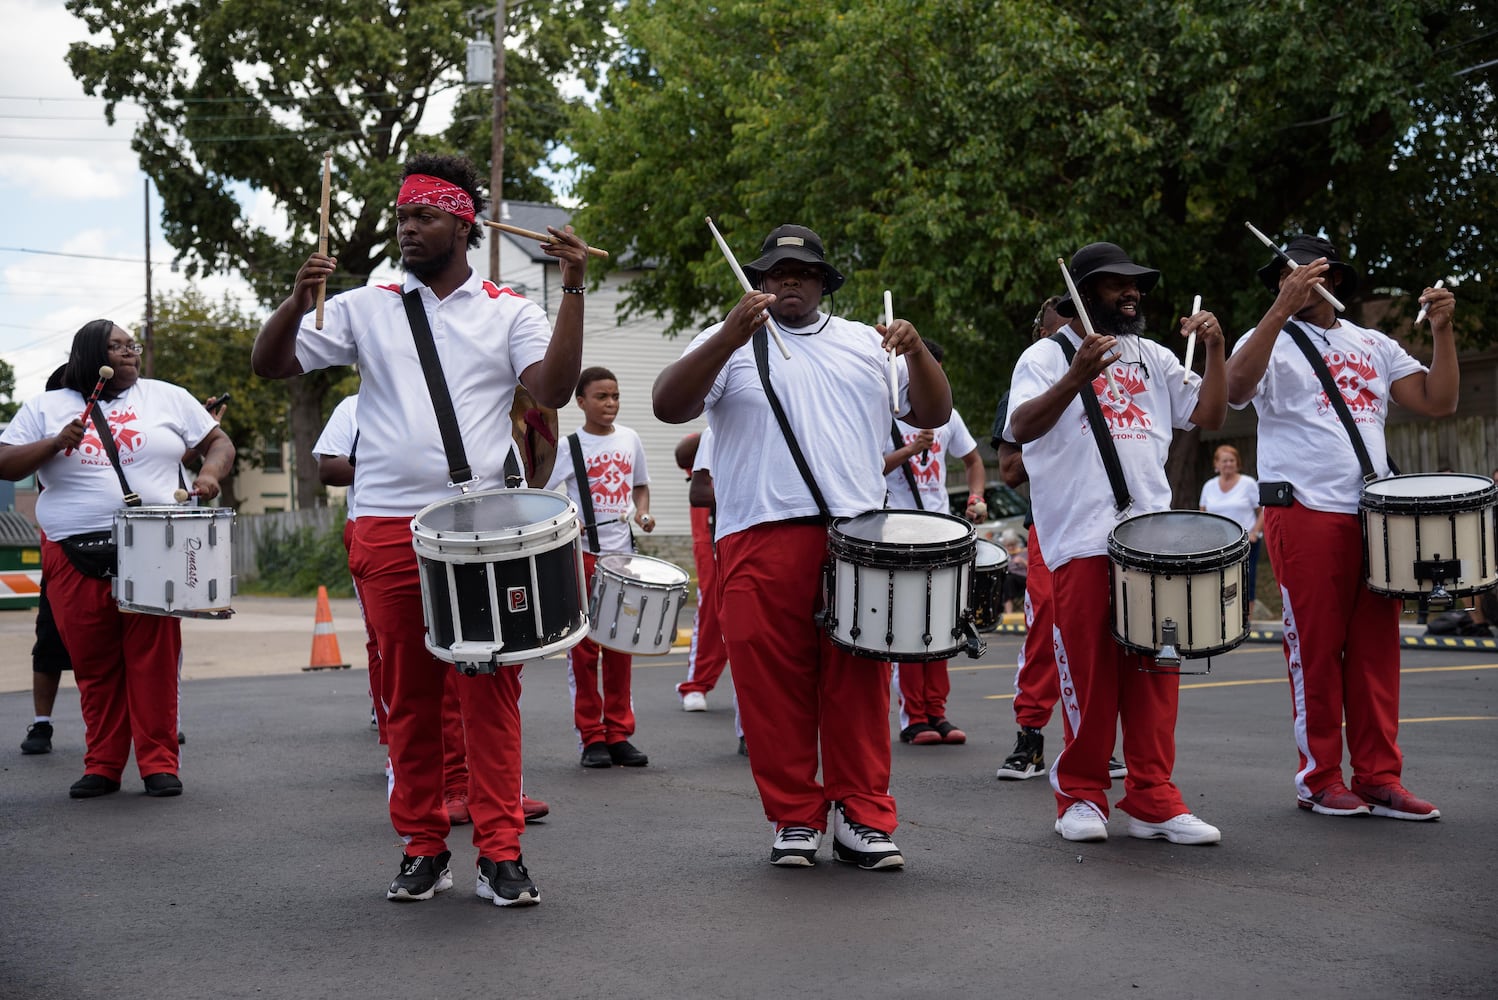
1303,250
793,243
1104,258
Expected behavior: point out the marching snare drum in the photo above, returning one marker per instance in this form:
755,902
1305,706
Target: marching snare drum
174,561
900,586
1430,535
1179,580
635,602
501,577
990,565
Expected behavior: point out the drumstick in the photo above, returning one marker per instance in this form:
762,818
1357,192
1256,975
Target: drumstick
105,374
894,375
1420,317
739,273
322,225
1071,286
1196,307
533,235
181,496
1321,290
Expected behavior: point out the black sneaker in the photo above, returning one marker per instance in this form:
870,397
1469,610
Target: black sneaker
743,747
795,847
1117,768
596,755
1028,758
91,786
919,734
163,784
421,877
856,844
625,754
507,883
38,738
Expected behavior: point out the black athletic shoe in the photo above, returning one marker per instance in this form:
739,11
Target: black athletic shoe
625,754
91,786
507,883
596,755
1028,758
38,738
795,847
919,734
1117,768
163,785
743,747
421,877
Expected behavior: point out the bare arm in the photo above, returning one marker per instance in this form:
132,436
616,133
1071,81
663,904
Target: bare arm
1246,368
682,386
641,497
1434,393
700,493
335,470
274,353
896,457
1012,465
1040,414
1212,401
17,461
553,379
930,393
218,458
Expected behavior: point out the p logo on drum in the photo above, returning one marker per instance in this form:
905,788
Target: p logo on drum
519,599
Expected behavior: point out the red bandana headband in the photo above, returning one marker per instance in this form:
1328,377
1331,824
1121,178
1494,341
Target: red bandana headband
424,189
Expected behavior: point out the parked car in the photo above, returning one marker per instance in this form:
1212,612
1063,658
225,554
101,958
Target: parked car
1007,509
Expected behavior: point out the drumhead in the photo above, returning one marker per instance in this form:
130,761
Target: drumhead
1430,492
492,512
1183,536
989,556
643,569
902,539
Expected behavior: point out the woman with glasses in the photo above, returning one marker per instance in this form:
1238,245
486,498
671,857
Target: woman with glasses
125,664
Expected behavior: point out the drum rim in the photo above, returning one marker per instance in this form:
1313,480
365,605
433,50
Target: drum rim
1436,503
1132,558
438,543
606,559
957,550
170,510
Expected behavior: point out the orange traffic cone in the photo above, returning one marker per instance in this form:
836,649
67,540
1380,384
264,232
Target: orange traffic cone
325,655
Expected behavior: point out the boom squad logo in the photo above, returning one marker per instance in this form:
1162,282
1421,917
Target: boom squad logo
126,438
1354,375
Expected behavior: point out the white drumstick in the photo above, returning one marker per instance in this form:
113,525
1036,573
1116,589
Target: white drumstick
894,375
1321,290
180,496
738,272
1196,307
1076,298
1420,318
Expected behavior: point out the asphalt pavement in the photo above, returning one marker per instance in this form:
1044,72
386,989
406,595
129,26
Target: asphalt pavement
267,877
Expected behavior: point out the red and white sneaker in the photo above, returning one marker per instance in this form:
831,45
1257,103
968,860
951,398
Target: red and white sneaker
457,810
1394,801
534,809
1334,800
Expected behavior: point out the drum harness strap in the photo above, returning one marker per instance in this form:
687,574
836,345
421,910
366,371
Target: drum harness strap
1334,396
584,492
1105,446
894,435
762,361
132,499
460,474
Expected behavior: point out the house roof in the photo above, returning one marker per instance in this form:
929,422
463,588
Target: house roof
536,216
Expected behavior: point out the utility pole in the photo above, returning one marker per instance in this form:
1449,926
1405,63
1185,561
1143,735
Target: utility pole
497,140
148,361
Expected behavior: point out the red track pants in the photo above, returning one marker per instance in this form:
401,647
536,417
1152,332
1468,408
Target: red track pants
708,655
606,716
1035,685
924,688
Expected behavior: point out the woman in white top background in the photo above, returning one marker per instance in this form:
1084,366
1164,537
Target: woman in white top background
1232,494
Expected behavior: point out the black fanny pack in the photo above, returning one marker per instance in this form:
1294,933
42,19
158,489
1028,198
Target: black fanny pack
1276,495
93,554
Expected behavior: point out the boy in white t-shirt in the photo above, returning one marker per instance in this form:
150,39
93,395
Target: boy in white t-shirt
613,460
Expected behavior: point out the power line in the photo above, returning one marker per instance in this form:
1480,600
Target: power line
80,256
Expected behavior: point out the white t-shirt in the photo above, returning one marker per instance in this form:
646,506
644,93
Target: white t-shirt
615,465
1070,495
1301,440
1241,503
951,438
704,459
835,392
153,424
485,336
337,440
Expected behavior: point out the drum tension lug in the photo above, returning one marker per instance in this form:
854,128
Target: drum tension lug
1168,653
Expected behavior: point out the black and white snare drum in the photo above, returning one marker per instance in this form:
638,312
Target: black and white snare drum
899,586
990,565
1179,584
501,577
635,603
174,561
1430,536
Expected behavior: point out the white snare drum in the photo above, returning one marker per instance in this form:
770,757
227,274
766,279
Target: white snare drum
501,577
990,565
900,586
1430,535
635,602
1180,584
175,561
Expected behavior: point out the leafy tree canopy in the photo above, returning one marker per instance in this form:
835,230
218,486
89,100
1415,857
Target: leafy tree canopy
953,150
8,403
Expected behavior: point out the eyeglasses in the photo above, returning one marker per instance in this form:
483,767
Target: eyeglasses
130,348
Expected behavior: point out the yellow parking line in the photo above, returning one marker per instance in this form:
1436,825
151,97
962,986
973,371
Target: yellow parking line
1282,680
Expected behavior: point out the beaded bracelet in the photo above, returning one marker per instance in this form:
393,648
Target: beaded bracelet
574,289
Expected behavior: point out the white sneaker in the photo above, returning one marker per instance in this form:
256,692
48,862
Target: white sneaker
864,846
1081,822
694,701
795,847
1182,829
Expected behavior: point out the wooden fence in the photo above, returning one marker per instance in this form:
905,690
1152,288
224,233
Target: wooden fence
251,529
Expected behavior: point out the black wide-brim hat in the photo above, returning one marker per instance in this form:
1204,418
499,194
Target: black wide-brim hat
1104,258
793,243
1303,250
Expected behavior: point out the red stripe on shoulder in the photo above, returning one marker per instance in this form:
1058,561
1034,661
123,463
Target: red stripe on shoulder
397,289
495,291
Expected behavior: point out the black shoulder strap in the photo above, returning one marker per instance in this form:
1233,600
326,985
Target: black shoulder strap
762,361
894,435
1105,445
1334,396
132,499
584,492
460,475
513,477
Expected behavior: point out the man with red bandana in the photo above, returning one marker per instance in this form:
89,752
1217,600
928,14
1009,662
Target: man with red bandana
1341,639
1148,396
487,339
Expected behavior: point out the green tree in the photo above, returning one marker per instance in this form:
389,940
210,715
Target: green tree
952,151
8,403
242,98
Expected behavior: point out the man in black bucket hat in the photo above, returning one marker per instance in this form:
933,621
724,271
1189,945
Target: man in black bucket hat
1341,639
1075,509
804,700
